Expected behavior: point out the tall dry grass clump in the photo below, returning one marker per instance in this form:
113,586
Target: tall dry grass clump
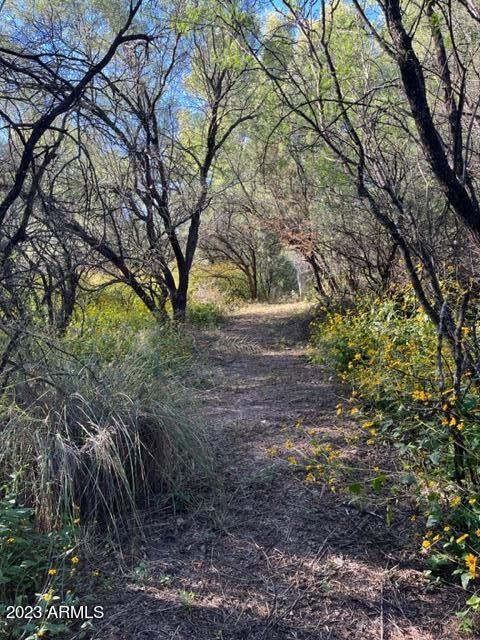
84,437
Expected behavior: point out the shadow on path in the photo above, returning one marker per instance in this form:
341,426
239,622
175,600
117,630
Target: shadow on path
270,557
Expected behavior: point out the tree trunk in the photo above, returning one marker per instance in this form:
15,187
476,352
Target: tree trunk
179,295
179,305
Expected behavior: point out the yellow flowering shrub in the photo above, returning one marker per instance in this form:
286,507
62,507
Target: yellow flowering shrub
34,568
387,351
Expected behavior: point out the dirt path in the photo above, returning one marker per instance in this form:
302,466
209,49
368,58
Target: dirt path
273,558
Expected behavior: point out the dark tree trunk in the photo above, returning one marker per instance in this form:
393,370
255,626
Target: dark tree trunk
457,188
179,305
178,296
68,301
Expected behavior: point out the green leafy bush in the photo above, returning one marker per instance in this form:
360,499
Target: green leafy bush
388,351
204,313
95,425
37,570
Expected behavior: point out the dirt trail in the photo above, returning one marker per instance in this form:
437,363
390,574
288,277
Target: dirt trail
275,558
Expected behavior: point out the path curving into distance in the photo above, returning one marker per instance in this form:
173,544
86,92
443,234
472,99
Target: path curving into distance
268,557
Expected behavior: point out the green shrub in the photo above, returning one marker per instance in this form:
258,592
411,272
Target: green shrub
36,570
387,350
107,322
96,424
101,419
204,313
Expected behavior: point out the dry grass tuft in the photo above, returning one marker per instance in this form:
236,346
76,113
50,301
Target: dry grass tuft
97,445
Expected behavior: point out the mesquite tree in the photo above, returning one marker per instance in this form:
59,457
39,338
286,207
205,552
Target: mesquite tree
164,126
47,65
402,132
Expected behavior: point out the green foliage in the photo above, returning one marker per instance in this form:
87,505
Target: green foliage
187,599
99,426
204,313
112,423
36,569
107,322
387,350
230,282
469,616
280,278
276,277
113,321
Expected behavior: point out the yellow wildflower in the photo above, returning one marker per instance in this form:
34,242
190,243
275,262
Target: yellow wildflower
471,562
453,421
96,573
292,460
461,538
472,501
354,411
10,540
309,477
339,409
75,560
357,356
52,572
421,395
370,442
455,501
76,521
426,544
447,528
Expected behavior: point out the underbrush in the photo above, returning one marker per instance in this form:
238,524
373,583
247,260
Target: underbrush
97,437
37,570
402,393
204,313
96,425
111,320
